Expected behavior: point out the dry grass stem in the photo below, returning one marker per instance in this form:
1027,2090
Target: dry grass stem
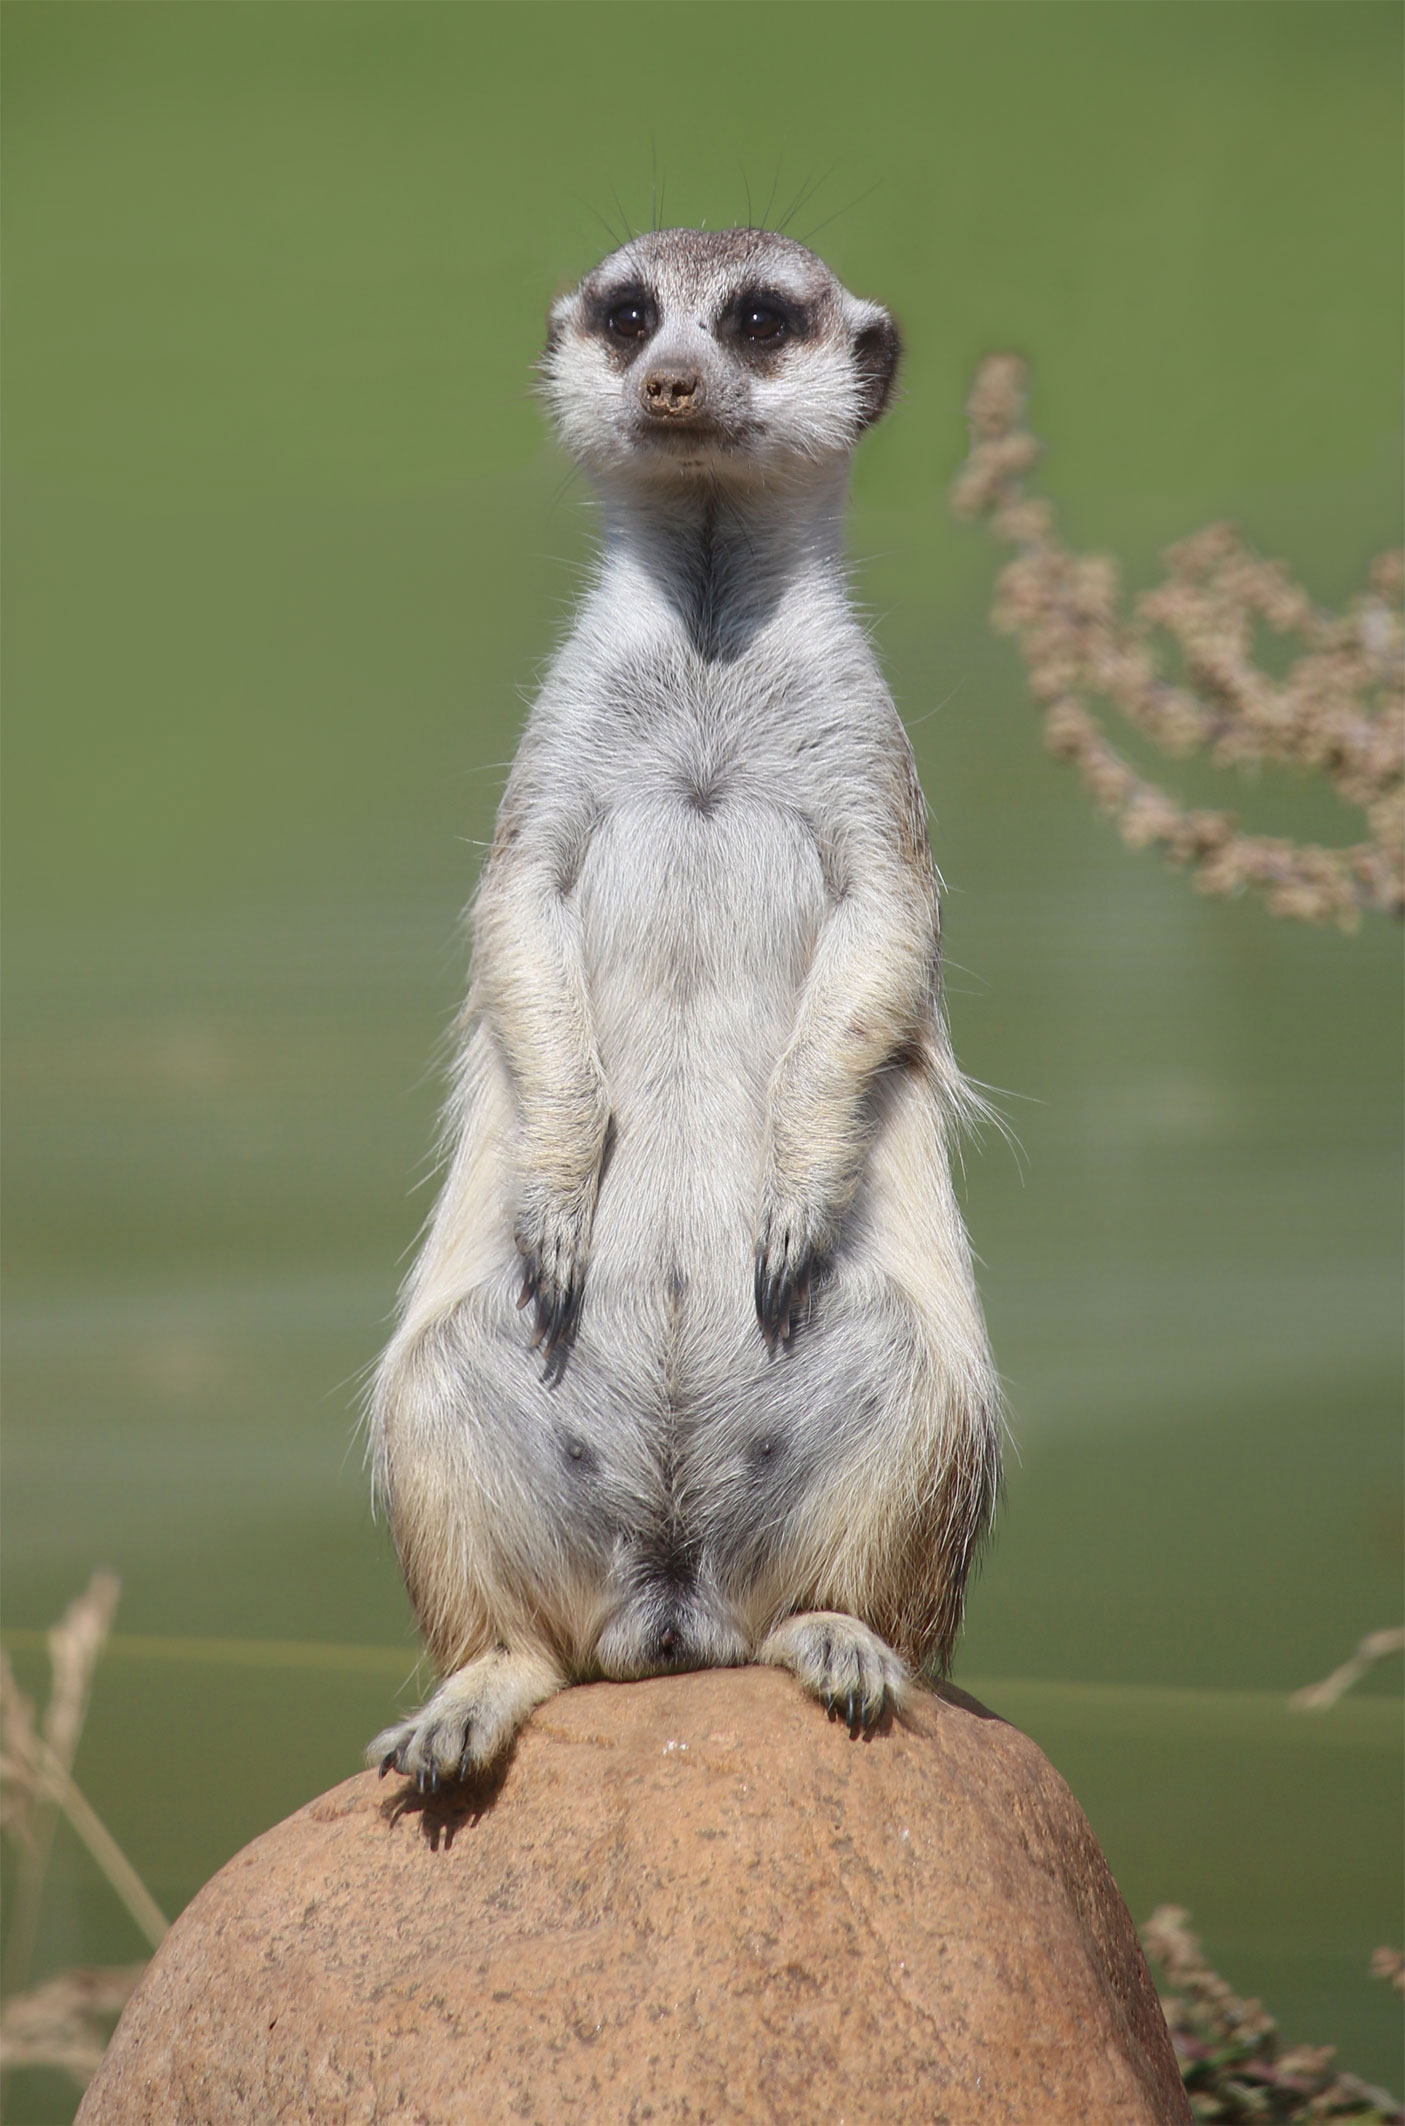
1376,1646
1338,713
75,1644
19,1744
36,1762
48,1780
1231,2059
1389,1964
64,2023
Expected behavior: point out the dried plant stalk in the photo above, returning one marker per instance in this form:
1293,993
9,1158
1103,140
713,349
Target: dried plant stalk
1231,2059
1339,713
75,1644
1376,1646
62,2024
32,1771
19,1745
1389,1964
36,1763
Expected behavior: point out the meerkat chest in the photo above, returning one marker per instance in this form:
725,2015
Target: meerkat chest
762,733
715,791
698,885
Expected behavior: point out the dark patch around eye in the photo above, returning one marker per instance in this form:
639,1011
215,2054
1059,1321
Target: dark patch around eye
761,322
623,317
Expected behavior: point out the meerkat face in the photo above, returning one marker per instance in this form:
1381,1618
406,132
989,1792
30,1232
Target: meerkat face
732,354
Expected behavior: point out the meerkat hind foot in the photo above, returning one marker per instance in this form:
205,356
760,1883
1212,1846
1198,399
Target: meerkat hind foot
842,1663
468,1723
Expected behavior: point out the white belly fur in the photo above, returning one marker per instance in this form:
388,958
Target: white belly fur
698,931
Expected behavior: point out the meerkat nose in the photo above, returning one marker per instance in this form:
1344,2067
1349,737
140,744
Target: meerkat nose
673,394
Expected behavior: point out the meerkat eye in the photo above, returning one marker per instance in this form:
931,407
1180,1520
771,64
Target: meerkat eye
762,321
630,320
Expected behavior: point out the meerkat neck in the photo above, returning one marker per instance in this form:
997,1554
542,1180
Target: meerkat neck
725,561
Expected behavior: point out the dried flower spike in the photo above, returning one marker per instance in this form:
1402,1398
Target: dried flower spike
1338,713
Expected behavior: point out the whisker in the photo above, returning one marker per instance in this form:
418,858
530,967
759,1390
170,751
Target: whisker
631,231
771,195
819,227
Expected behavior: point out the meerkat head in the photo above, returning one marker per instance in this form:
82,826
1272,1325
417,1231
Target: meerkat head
734,354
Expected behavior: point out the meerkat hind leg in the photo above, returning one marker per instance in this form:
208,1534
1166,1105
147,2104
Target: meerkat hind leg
469,1721
842,1663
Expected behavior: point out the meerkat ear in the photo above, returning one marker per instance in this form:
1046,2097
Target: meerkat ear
877,349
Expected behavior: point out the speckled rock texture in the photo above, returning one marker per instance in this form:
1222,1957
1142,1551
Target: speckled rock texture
693,1899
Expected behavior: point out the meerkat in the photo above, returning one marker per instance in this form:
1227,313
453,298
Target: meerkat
691,1370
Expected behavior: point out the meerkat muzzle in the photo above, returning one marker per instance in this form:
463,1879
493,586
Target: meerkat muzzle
673,394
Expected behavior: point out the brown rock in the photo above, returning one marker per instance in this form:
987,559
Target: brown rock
693,1899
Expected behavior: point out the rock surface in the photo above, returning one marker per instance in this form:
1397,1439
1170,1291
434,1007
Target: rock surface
693,1899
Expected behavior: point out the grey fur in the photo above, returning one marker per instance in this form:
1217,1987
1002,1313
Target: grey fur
691,1369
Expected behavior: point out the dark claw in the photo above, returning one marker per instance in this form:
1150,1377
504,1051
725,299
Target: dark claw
776,1310
782,1295
556,1304
388,1764
770,1282
556,1318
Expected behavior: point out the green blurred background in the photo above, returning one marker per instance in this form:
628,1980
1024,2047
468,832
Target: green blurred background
286,544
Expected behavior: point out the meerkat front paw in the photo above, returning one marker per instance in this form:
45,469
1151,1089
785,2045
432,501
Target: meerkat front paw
553,1237
792,1240
842,1663
469,1721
